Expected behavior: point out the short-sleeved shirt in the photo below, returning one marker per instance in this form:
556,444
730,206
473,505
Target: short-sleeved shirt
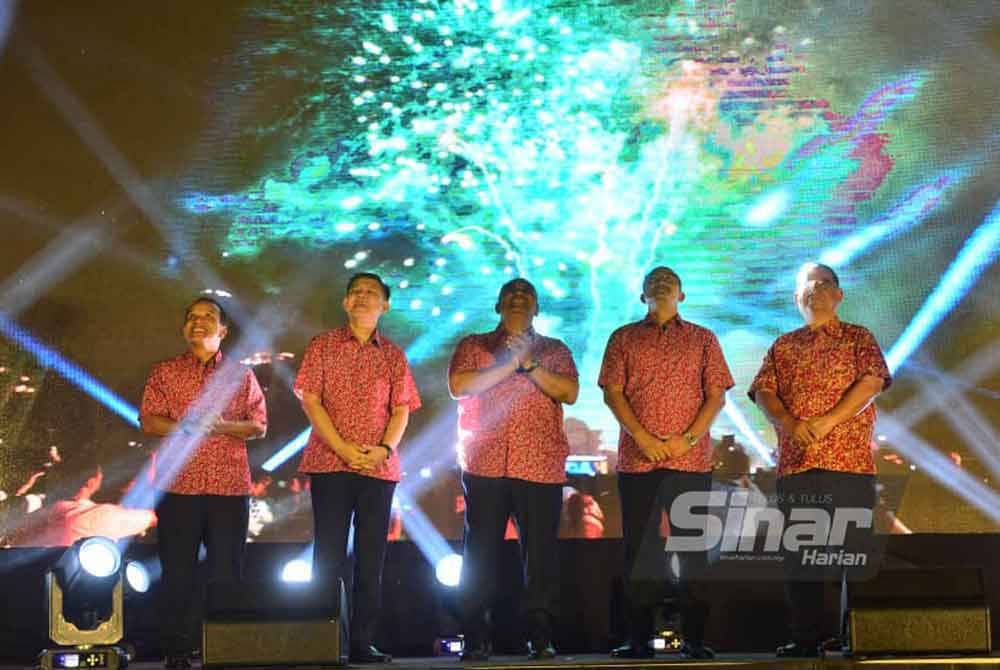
665,373
512,429
218,465
358,384
810,371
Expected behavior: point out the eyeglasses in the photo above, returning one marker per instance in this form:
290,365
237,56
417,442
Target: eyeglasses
818,284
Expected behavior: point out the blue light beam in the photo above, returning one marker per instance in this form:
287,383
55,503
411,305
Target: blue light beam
297,444
420,529
978,252
52,359
734,414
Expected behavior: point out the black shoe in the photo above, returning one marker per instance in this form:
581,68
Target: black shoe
633,651
475,652
369,654
799,650
541,649
177,662
696,651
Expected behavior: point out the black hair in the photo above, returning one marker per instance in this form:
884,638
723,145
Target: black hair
649,274
820,266
223,317
368,275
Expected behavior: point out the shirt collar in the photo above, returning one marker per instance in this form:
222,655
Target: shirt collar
677,321
344,334
211,363
832,328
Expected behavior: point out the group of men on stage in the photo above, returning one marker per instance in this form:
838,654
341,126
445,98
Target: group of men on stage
664,379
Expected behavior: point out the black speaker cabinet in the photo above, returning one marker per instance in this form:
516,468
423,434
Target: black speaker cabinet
275,624
927,611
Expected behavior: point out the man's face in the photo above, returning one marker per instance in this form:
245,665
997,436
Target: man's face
518,299
203,327
365,302
817,293
662,289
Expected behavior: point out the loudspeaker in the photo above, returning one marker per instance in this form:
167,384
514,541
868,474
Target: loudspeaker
275,624
918,612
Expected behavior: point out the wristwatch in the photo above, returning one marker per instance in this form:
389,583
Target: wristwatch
691,438
526,370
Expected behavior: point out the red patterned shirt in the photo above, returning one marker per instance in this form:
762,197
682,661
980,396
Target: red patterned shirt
359,385
512,429
810,371
664,372
218,464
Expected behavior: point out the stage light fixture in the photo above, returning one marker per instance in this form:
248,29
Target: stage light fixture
449,646
137,577
99,557
297,570
667,642
86,615
449,570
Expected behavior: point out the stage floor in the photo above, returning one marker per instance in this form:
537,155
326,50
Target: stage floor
743,661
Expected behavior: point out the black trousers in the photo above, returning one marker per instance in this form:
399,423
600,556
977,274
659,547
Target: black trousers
804,587
643,497
184,522
489,502
336,498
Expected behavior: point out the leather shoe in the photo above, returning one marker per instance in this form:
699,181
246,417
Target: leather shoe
475,652
177,663
633,651
541,649
697,651
369,654
798,650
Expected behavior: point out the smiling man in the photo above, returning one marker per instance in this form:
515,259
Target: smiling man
511,384
357,390
816,386
206,492
664,379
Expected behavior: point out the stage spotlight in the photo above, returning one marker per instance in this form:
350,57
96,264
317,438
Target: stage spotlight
100,557
667,642
297,570
449,570
137,577
85,607
449,646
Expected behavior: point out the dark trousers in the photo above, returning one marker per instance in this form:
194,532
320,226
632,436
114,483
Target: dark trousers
643,498
804,588
336,497
183,523
489,502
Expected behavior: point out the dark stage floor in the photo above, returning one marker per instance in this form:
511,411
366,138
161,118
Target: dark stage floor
587,661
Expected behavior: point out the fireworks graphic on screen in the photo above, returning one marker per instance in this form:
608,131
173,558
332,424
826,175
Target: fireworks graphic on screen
450,146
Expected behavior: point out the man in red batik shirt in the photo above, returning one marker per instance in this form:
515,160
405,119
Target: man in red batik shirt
206,408
665,380
816,385
357,390
511,384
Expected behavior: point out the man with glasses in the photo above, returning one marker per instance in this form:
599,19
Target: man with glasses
665,380
357,390
816,386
